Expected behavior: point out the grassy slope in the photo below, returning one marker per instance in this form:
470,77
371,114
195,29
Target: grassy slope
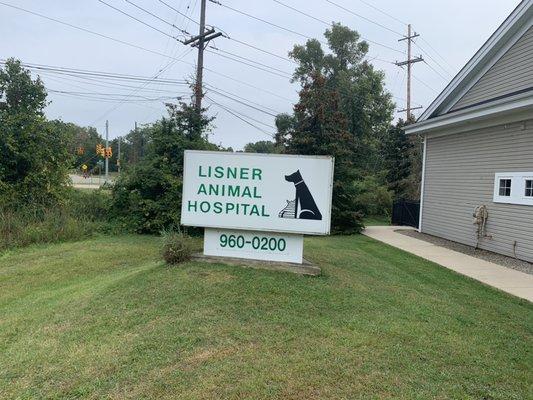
104,318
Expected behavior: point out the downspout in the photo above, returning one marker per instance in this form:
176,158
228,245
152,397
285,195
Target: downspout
422,184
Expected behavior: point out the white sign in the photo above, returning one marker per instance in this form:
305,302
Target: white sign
253,245
260,192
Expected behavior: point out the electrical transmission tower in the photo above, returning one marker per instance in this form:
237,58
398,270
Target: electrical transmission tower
409,62
201,41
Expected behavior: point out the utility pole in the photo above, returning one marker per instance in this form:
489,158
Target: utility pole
118,155
106,147
409,62
201,41
134,145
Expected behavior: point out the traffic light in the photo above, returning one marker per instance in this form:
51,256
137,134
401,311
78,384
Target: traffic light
100,151
108,152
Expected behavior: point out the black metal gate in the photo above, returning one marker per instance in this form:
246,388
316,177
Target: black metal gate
406,212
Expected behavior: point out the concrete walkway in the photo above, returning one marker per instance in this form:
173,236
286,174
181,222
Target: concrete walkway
508,280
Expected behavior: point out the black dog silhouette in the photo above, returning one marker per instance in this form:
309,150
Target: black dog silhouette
304,199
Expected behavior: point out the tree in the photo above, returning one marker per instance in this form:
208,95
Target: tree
416,154
262,146
396,154
147,195
34,155
363,99
285,128
344,111
84,138
321,128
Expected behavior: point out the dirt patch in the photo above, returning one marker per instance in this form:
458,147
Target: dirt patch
504,261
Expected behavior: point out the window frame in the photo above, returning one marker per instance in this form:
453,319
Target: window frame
518,188
524,192
505,187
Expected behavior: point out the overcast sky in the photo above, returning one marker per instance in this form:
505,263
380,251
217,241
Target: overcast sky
451,31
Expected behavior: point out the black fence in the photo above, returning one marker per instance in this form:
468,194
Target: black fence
406,213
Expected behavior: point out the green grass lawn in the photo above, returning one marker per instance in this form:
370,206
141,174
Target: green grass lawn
105,318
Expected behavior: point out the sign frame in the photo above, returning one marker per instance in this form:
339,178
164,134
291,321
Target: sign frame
216,225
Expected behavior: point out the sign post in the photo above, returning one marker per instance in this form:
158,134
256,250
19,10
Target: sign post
257,206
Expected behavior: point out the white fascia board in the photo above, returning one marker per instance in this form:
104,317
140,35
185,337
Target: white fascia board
474,69
522,102
422,184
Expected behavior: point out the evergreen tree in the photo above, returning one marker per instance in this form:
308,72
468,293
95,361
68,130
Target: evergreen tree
362,96
344,111
320,127
396,154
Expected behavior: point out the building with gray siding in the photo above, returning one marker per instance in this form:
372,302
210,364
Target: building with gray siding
478,146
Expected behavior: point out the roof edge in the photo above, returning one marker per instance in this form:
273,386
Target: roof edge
507,105
520,16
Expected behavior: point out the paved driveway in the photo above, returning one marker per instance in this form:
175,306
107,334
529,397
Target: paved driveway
508,280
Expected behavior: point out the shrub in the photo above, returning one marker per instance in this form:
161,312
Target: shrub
177,247
90,204
147,196
146,200
373,197
83,214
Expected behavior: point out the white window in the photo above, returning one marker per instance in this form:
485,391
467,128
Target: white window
529,188
505,187
513,188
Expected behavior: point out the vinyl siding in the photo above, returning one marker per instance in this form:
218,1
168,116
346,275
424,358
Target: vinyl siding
459,176
511,73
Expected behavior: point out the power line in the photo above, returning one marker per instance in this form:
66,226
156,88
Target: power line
242,114
157,17
365,18
110,95
261,20
110,99
179,12
250,63
242,118
248,101
139,88
94,82
96,74
247,62
438,54
259,49
425,84
383,12
432,59
385,27
207,35
69,73
243,103
174,48
330,24
279,26
232,38
138,20
142,48
434,70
